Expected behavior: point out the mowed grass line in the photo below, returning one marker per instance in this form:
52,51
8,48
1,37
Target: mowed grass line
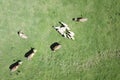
36,18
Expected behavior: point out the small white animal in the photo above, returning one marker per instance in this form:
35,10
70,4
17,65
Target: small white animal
62,29
80,19
64,25
22,35
70,35
29,55
15,66
55,46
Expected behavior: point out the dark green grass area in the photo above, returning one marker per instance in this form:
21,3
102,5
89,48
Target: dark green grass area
93,55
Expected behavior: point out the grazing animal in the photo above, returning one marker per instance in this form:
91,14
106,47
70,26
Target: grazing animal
55,46
80,19
64,25
70,35
30,53
62,29
13,67
22,35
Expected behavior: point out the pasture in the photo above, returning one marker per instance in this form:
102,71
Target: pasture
93,55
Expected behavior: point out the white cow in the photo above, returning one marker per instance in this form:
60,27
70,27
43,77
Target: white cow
22,35
15,66
62,29
80,19
70,35
30,53
64,25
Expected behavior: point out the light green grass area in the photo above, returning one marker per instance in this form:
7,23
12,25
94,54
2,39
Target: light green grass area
93,55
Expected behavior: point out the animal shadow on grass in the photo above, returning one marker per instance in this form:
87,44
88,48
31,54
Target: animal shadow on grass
17,73
29,53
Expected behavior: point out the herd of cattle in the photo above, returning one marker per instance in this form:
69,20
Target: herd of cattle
63,30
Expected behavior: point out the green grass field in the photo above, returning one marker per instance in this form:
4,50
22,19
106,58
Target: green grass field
93,55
